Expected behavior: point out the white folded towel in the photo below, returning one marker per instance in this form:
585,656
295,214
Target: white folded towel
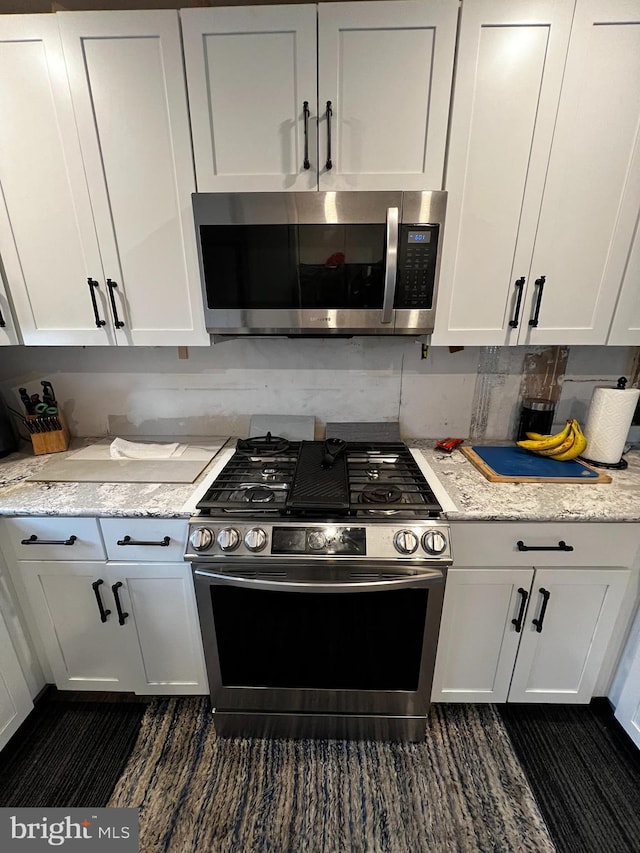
120,448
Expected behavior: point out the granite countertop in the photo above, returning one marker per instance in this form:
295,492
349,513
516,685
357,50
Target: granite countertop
475,498
146,500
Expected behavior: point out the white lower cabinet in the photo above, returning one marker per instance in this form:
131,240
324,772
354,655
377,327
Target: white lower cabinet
15,699
526,634
127,624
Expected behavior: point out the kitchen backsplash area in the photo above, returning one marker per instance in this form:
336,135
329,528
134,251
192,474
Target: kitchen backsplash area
471,392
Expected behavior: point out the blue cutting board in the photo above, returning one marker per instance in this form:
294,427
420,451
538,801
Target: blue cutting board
513,464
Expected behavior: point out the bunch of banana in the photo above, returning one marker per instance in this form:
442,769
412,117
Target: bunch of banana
563,446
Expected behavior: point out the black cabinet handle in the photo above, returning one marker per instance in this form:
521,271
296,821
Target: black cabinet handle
122,615
129,541
113,286
306,114
92,286
519,284
329,113
539,283
33,540
523,606
2,322
96,588
546,595
561,546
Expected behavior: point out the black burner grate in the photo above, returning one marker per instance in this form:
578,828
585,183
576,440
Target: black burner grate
301,486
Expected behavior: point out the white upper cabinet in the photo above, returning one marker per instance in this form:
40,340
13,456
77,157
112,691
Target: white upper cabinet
48,242
8,330
250,70
129,97
383,67
625,329
541,175
96,228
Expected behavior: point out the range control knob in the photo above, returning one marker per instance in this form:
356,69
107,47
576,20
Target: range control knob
406,541
255,539
201,539
434,542
228,539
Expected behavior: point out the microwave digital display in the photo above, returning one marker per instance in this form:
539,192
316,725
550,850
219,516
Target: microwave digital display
419,237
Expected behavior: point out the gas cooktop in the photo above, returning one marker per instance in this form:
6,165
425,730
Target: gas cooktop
271,476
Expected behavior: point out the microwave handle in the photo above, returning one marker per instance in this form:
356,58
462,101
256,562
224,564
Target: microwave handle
391,264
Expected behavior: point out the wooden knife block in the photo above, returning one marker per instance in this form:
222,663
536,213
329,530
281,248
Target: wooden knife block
52,441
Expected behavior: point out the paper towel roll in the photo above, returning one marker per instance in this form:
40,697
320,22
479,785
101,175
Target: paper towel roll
608,421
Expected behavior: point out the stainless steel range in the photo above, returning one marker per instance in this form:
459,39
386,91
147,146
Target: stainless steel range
319,570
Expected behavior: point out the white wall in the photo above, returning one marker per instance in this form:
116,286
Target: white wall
474,393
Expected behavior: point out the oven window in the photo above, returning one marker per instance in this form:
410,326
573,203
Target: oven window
350,641
293,266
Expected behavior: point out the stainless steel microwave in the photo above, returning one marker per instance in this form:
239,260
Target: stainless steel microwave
319,263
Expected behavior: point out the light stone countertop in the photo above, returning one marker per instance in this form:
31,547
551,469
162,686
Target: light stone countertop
475,497
478,499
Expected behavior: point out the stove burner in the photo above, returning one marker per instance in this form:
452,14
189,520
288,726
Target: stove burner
262,445
258,495
381,494
373,473
269,472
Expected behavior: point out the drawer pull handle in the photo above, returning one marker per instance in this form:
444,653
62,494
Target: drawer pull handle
96,588
129,541
561,546
546,595
33,540
305,111
122,615
523,606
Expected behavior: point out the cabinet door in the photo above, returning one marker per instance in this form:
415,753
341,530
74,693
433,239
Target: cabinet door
386,69
478,640
8,329
162,625
85,653
561,662
48,242
508,78
128,88
15,700
628,707
625,329
249,72
590,207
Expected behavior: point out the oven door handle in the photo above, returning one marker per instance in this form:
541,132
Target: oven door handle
366,584
391,264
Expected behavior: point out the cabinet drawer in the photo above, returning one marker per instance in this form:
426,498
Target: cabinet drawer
496,544
51,534
143,538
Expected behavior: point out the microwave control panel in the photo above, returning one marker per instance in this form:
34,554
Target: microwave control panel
417,255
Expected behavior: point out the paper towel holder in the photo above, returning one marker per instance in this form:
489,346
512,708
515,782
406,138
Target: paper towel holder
614,466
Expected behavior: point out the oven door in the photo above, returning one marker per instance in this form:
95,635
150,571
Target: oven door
298,263
308,639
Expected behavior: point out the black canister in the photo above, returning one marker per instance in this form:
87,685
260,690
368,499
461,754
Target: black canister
536,415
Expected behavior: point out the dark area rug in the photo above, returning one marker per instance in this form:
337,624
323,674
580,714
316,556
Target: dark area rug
68,753
584,772
461,790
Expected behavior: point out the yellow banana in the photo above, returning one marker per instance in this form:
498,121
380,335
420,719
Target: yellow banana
548,442
566,446
579,444
536,436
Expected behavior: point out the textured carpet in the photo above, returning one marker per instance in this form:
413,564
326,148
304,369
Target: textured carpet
68,754
584,772
461,790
